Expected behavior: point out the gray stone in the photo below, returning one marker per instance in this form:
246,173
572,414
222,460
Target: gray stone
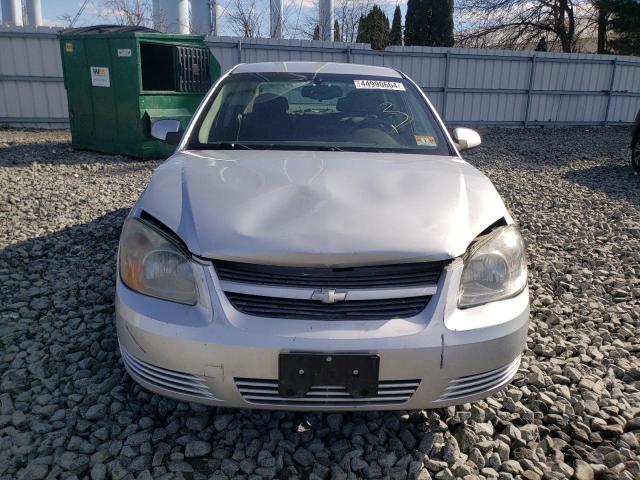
197,448
304,457
33,472
96,412
98,471
387,460
451,452
583,471
230,467
512,467
334,421
248,465
221,422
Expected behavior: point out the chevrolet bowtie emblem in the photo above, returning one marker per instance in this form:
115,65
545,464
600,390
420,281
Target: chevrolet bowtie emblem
328,295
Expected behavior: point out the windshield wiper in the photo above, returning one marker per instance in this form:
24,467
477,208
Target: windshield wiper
267,146
225,146
327,148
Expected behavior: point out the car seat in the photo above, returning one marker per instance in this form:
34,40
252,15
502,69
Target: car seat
268,119
362,103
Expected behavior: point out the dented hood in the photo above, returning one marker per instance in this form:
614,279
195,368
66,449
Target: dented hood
322,208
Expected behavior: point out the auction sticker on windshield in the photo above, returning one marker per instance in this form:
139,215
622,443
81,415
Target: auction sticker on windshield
379,85
425,140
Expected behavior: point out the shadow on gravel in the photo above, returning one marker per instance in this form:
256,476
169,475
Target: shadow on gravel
61,153
58,339
60,360
59,275
617,181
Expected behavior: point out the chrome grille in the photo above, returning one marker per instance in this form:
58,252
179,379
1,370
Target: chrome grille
382,276
265,392
177,382
293,308
474,384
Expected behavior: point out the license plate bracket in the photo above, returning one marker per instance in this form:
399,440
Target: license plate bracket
298,372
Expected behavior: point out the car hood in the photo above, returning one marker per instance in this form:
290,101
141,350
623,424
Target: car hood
321,208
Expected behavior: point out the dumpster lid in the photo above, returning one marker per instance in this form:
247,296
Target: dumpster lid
106,29
172,113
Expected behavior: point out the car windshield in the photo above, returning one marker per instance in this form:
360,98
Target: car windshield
318,112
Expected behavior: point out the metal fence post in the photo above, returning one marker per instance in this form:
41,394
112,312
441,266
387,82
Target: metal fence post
445,88
349,54
614,62
239,50
532,74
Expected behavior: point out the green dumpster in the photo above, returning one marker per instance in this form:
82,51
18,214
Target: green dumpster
121,80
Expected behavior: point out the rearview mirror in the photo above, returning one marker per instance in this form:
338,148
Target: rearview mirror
465,138
167,131
321,92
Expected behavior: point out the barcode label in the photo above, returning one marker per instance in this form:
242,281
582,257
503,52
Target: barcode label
379,84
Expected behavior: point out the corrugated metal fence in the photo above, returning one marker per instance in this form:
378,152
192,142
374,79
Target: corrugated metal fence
31,90
470,86
467,86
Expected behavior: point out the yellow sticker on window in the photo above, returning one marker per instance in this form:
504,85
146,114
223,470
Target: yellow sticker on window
425,140
68,47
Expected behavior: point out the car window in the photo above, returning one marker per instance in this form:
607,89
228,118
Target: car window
345,112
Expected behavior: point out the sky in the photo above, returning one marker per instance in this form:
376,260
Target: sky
54,10
297,11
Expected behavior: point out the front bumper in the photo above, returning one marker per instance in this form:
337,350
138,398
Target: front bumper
212,354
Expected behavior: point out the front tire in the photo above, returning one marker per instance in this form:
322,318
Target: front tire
635,157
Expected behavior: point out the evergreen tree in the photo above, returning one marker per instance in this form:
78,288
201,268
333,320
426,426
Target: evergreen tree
429,23
415,22
360,37
442,23
624,23
603,20
395,36
336,32
373,28
316,33
618,26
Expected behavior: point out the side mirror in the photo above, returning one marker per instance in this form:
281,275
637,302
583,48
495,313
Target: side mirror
167,131
465,138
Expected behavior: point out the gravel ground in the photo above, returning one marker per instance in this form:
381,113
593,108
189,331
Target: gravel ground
68,410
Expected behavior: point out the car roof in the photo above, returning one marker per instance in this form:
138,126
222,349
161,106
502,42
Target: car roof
317,67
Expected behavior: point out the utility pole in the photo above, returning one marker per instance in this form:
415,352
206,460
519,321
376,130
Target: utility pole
326,20
34,13
276,19
12,12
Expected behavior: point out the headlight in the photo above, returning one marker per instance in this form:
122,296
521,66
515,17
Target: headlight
153,264
495,268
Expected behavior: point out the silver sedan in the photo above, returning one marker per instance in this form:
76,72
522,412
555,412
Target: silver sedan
317,242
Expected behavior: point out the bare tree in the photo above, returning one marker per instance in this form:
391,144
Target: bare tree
70,20
308,25
245,18
346,12
128,12
519,23
66,19
292,17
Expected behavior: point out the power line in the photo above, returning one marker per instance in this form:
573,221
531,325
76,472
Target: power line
298,17
82,7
